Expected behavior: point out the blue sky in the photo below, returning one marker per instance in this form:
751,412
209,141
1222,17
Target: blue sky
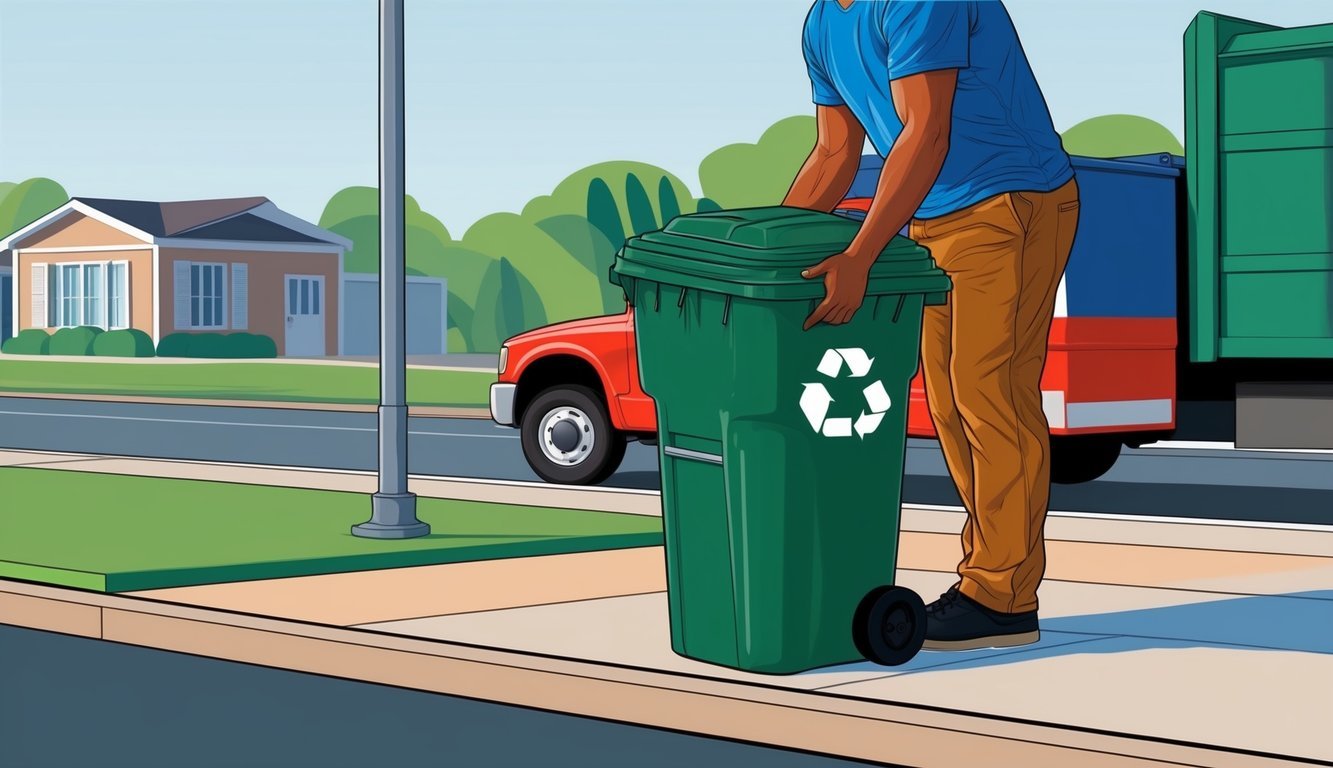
178,99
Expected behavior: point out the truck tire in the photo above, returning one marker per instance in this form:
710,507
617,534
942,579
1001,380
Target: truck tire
568,437
1082,458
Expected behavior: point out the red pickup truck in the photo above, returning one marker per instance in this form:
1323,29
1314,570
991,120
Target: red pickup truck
573,391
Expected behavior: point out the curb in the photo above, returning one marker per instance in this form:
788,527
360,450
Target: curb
759,713
423,411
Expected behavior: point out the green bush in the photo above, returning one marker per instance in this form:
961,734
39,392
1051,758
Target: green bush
127,342
174,345
31,341
217,345
250,345
74,341
208,345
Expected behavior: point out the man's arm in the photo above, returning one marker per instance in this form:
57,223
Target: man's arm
924,103
829,170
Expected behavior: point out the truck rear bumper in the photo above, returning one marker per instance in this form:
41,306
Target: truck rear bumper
502,403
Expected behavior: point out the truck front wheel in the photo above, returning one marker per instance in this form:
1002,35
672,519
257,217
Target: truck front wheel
568,437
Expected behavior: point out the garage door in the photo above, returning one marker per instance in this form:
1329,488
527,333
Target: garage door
426,319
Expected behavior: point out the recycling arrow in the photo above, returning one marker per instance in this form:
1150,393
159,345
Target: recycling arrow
857,361
867,423
816,400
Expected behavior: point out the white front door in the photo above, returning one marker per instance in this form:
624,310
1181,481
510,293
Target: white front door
305,316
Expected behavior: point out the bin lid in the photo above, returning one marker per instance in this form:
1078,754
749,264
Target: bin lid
760,252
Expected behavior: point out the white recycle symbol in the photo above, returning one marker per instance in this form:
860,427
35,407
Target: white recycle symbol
815,400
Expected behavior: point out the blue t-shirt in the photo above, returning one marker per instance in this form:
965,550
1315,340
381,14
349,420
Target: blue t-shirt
1002,138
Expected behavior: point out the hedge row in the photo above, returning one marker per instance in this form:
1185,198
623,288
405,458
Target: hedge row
131,342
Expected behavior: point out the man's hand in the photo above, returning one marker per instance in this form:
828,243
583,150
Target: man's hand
846,276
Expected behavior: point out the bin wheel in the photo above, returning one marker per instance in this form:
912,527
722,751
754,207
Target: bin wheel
890,625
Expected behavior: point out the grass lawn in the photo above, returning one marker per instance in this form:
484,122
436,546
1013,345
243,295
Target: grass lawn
243,381
117,533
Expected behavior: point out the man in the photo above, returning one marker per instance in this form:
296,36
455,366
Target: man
973,162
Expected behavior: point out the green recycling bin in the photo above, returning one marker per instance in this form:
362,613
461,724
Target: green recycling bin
781,449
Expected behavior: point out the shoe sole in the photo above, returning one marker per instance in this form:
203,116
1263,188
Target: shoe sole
993,641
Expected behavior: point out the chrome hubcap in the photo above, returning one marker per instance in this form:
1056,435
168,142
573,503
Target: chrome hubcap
567,436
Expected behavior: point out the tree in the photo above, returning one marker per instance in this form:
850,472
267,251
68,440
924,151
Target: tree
706,205
667,202
603,212
571,195
421,248
27,202
1120,136
641,217
460,325
508,305
748,175
591,247
463,270
567,288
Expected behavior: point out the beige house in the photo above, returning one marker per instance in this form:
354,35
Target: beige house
238,264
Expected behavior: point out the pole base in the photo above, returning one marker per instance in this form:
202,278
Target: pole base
393,516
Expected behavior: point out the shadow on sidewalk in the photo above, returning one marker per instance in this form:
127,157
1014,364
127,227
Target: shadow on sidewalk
1296,622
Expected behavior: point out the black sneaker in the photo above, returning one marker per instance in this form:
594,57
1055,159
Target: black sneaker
956,622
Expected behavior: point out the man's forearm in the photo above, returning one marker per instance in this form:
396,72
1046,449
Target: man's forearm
823,180
909,172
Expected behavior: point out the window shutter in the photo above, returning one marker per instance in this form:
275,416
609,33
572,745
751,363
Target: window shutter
124,318
40,317
181,289
240,296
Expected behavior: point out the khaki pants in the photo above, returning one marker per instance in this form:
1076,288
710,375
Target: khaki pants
982,355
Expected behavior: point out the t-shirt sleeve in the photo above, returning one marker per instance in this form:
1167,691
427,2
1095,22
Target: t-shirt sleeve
925,35
825,93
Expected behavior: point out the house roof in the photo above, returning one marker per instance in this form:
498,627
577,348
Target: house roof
173,218
248,226
235,220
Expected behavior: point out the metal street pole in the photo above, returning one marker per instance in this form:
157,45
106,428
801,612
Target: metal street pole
393,508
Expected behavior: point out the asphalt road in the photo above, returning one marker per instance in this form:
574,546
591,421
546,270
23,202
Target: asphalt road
1267,486
70,701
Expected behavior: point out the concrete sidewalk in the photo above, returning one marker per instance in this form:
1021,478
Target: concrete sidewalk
1164,642
452,362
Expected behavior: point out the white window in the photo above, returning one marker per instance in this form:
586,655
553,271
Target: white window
207,295
88,293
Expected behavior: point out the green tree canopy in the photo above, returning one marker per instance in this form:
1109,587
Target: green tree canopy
567,288
422,248
593,250
749,175
667,202
352,202
642,217
571,195
1120,136
28,201
508,305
